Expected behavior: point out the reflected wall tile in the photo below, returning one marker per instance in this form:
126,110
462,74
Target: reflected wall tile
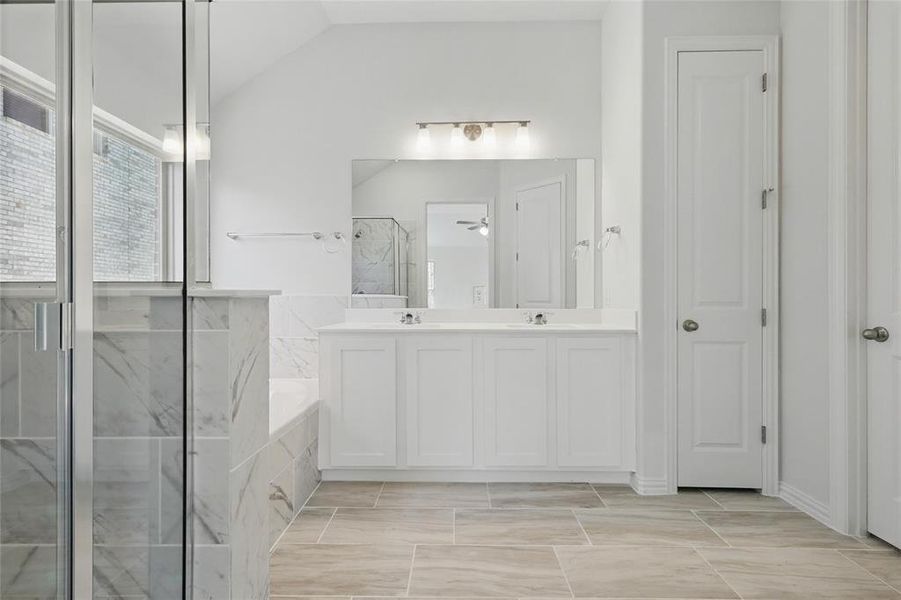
281,503
248,364
126,491
121,571
210,491
9,384
113,313
28,491
210,573
137,384
166,313
28,572
38,392
165,572
210,380
209,313
249,506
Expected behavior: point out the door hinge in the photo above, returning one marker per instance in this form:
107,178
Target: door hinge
517,206
763,199
517,256
66,326
763,434
763,83
763,317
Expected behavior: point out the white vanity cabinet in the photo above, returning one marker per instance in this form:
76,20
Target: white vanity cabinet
451,405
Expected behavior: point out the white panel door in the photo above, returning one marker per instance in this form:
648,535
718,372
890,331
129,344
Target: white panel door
591,391
720,267
539,251
439,400
884,271
360,396
516,401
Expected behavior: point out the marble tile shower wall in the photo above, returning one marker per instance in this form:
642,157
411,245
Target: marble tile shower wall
294,344
27,456
138,421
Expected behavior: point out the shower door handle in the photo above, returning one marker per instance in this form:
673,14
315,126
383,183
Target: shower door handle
52,326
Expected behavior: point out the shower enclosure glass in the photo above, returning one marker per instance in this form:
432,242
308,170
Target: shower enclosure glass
380,263
98,215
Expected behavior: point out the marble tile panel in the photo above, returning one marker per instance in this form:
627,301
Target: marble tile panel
211,475
775,529
308,526
647,528
640,572
294,358
38,391
121,571
543,495
306,475
248,358
211,573
126,491
518,527
138,384
281,503
795,574
209,369
391,526
249,533
359,494
17,314
299,316
621,496
28,572
360,570
209,313
9,384
444,571
434,495
28,502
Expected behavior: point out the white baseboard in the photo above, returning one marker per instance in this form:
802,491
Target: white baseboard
476,475
648,486
805,503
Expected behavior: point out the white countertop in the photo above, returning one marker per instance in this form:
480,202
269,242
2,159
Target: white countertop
476,328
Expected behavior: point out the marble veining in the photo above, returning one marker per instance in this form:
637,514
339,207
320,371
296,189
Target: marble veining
28,491
248,360
249,520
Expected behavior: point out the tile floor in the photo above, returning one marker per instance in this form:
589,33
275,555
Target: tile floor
550,541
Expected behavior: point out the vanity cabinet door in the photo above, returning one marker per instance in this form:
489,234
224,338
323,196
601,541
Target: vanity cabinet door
439,386
516,401
594,389
359,397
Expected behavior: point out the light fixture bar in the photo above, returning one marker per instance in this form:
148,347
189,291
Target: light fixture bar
465,122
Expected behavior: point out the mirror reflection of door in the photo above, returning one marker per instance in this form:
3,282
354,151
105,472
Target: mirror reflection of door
458,255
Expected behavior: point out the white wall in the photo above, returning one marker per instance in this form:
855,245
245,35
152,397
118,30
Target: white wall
804,317
457,270
661,20
283,144
621,80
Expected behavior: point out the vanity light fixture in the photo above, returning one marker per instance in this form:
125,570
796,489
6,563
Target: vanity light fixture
423,137
456,136
522,135
489,135
473,130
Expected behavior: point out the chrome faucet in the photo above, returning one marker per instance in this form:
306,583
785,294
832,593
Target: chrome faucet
541,318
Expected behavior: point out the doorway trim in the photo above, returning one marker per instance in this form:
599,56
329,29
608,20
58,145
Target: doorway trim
769,46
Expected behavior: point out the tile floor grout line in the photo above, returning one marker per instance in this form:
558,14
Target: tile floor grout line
867,571
710,527
715,501
278,541
718,574
582,527
412,564
563,571
379,496
598,494
329,522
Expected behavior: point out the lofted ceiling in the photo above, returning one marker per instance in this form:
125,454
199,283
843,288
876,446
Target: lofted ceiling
248,36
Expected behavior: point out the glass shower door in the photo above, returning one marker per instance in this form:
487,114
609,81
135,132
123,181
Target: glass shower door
34,293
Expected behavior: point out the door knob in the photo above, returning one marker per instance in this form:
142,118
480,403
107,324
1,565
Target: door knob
689,325
876,334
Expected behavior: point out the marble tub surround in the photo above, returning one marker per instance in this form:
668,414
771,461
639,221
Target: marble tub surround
455,540
293,345
292,457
